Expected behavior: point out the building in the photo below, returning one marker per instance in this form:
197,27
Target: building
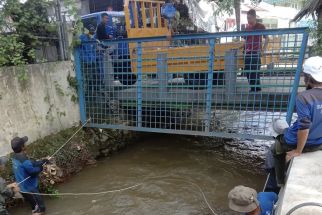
91,6
297,4
272,16
99,5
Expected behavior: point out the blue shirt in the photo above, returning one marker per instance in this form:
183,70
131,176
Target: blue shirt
266,202
24,168
88,49
110,31
309,113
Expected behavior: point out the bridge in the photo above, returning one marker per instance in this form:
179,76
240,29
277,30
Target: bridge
192,85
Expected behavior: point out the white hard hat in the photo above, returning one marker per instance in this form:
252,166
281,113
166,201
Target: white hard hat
313,67
279,126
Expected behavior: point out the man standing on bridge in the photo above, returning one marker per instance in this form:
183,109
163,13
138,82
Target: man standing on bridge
253,50
103,31
306,133
88,55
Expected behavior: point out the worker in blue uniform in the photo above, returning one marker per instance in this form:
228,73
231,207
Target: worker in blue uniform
246,200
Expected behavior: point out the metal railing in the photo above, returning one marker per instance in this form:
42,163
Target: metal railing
202,84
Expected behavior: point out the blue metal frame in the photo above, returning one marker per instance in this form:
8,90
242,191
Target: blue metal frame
212,35
80,85
209,84
291,104
139,84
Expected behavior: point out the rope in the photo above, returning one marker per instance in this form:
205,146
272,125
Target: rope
59,148
128,188
69,139
269,174
203,194
84,194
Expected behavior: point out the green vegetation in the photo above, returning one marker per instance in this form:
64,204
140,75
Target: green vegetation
24,27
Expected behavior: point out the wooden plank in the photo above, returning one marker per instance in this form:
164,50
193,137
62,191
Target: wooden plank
135,13
127,15
159,15
143,12
185,59
151,15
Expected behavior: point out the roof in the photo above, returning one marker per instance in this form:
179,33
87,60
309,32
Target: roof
262,6
279,12
265,10
309,8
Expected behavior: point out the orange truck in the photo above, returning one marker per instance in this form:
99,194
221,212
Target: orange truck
143,19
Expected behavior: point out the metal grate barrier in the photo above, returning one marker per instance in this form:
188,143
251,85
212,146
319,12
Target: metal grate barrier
202,84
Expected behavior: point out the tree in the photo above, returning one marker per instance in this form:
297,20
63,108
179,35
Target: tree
24,25
313,7
228,5
237,13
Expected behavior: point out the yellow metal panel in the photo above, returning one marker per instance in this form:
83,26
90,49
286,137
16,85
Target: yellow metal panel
186,59
272,53
147,32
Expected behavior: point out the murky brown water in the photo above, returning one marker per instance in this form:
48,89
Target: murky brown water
168,164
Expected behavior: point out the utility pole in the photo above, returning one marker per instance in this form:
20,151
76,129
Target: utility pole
60,30
237,13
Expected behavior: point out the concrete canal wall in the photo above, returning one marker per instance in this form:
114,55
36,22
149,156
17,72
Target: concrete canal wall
36,101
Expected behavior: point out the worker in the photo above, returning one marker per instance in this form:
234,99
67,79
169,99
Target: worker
246,200
253,51
305,134
109,8
26,174
102,32
169,12
6,191
89,61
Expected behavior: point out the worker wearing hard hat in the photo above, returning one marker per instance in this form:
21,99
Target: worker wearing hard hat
305,134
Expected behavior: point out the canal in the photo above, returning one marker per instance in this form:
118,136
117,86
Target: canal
173,170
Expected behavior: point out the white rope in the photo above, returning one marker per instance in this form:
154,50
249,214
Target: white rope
59,148
69,139
84,194
269,174
203,194
127,188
